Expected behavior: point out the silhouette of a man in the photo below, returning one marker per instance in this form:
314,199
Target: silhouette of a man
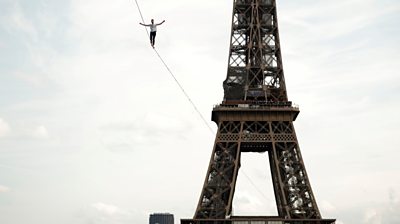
153,30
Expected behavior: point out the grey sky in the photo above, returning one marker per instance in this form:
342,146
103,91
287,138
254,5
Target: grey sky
94,130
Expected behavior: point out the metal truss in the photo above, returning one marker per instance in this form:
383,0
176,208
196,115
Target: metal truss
292,189
255,64
256,116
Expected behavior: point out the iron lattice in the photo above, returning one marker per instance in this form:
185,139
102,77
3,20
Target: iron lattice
256,116
255,69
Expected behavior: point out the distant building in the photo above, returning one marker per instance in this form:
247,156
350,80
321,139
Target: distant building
161,218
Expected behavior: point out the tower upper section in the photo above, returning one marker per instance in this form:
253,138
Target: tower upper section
255,71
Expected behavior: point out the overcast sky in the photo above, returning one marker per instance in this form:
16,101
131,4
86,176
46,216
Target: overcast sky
94,130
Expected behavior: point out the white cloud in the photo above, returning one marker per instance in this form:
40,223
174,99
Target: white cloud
21,23
383,213
40,132
4,128
327,206
108,213
372,216
107,208
4,189
246,203
125,135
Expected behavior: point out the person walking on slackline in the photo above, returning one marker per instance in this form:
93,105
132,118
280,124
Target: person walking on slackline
153,30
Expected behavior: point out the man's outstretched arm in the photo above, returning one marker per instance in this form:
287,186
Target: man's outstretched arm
161,23
144,24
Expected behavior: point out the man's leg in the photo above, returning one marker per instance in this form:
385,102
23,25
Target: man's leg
152,35
154,38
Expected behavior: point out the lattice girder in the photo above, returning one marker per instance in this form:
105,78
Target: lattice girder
267,131
256,116
255,64
215,199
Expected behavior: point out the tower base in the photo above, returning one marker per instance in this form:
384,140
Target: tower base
257,220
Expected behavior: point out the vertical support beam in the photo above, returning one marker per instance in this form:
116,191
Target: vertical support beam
216,197
236,172
280,198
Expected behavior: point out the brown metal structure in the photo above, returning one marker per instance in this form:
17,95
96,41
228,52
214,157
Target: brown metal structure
256,116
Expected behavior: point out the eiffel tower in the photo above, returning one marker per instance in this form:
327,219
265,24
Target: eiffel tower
256,116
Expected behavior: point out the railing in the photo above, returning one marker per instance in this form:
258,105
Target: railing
262,2
258,221
255,104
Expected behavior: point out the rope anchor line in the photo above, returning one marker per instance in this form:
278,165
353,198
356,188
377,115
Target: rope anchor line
176,80
191,101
